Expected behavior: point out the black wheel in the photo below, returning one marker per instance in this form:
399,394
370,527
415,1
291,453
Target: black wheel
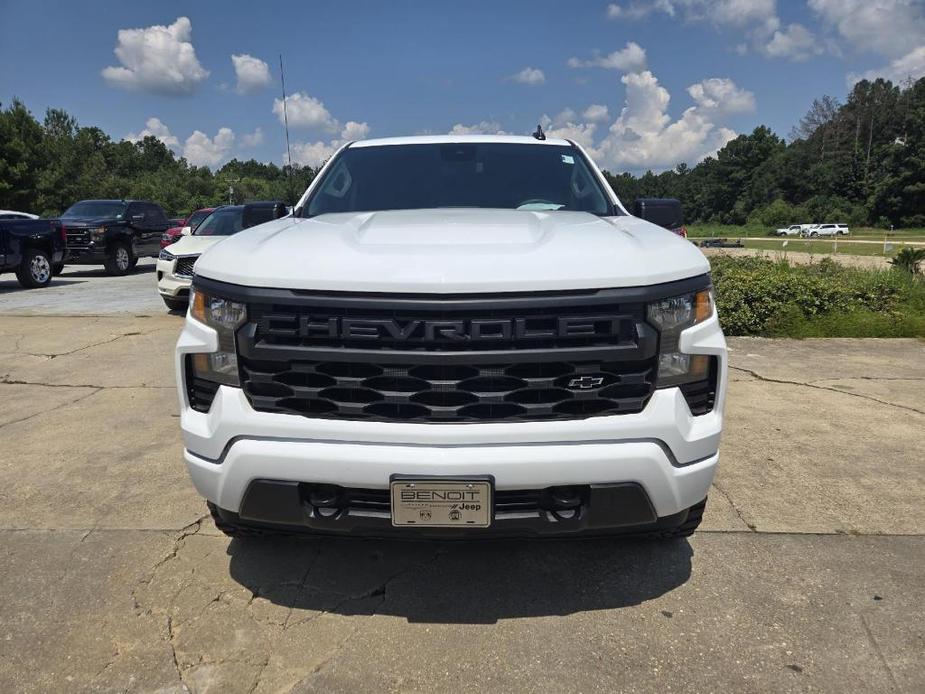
119,260
233,529
687,528
35,269
57,269
175,304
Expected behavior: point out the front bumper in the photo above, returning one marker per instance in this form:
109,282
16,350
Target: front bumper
83,255
665,450
168,284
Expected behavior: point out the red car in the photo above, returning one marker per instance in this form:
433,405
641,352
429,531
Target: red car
173,234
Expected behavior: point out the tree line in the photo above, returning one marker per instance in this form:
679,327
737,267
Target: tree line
47,166
859,162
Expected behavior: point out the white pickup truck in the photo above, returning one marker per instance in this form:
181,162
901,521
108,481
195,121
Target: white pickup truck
794,230
454,337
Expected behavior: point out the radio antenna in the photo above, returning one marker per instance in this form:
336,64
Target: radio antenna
282,80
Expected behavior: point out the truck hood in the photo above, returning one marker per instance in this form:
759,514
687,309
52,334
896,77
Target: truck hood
193,245
453,251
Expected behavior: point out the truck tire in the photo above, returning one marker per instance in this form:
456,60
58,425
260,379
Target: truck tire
233,529
175,304
35,269
119,260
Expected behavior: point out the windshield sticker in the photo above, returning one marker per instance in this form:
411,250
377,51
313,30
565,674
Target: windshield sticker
568,159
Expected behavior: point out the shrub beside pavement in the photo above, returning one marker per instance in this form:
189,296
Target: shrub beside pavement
771,298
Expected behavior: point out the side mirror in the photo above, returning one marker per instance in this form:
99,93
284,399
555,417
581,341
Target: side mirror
665,212
186,231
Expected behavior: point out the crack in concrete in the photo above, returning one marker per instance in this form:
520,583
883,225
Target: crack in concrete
751,526
55,355
50,409
380,591
879,652
813,384
5,380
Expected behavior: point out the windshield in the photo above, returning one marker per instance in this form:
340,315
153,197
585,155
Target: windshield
96,208
223,222
484,174
195,218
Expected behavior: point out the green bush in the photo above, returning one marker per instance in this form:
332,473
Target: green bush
757,296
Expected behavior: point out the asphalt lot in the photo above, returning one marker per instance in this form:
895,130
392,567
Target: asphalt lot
808,573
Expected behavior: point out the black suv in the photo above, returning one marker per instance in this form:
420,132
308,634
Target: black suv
114,233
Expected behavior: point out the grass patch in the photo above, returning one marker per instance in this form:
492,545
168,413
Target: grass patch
758,296
817,247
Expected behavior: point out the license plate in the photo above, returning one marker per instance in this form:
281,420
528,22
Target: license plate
441,503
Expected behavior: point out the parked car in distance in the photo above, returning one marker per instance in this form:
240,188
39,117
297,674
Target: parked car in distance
13,214
113,233
827,230
32,248
185,226
793,230
175,265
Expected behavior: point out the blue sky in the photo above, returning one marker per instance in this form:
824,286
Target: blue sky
669,80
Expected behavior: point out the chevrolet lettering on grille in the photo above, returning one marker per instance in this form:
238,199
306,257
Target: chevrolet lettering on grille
508,329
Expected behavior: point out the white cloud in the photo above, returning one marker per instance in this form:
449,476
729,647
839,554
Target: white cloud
910,66
721,97
159,59
756,20
200,150
316,153
893,28
252,139
630,58
305,111
796,43
354,131
529,75
596,113
644,135
485,127
156,128
252,73
639,10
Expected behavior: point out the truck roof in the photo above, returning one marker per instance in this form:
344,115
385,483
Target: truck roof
452,139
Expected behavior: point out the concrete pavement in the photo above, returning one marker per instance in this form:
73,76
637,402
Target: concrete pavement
809,573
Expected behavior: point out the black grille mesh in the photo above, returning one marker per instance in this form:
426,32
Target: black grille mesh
184,266
449,393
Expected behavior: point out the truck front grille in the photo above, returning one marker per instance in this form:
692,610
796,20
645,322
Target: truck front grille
448,360
184,266
449,393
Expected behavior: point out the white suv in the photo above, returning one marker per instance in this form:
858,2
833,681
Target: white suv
827,230
454,337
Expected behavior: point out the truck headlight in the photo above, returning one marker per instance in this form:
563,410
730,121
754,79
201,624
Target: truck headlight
671,316
98,233
225,316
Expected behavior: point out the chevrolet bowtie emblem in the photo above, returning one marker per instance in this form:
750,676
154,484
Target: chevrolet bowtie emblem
586,382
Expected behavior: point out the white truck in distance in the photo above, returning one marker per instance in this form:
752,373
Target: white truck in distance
453,337
826,230
794,230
